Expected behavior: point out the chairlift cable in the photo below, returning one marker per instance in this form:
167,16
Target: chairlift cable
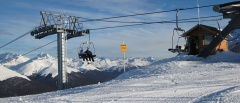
111,27
32,50
121,17
140,23
161,22
144,13
15,39
157,21
39,47
56,40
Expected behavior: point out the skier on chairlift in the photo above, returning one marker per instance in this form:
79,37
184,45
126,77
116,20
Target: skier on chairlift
89,55
82,55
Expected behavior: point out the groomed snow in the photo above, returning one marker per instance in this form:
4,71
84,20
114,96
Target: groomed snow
180,79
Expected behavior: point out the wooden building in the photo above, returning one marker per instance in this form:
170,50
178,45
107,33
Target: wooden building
200,36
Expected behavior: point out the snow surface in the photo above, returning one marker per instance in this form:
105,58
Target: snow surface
43,64
179,79
6,73
9,59
234,41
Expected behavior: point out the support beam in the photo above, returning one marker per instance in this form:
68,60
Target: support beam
61,61
43,18
233,24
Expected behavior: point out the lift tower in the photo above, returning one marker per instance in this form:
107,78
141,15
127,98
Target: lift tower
229,10
59,24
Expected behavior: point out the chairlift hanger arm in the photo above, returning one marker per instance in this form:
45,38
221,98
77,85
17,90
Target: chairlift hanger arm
177,18
178,28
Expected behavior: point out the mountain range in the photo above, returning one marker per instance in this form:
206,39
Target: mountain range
42,70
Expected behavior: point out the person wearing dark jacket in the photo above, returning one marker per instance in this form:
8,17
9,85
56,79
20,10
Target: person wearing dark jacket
82,55
89,55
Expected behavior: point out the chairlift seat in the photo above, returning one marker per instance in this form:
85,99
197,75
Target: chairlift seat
177,49
84,56
173,50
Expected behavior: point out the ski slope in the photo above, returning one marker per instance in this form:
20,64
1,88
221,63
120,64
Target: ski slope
179,79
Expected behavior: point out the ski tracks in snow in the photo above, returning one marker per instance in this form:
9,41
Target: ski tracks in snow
216,97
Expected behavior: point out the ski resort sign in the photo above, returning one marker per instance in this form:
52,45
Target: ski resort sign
123,48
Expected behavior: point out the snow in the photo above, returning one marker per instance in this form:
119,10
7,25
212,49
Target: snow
105,63
9,59
179,79
6,56
233,41
43,64
6,73
89,67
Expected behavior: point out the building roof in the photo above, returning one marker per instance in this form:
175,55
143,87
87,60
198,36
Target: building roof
209,28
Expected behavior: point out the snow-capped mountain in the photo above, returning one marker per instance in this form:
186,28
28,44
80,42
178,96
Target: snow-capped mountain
10,59
108,64
141,61
6,73
42,64
6,56
43,69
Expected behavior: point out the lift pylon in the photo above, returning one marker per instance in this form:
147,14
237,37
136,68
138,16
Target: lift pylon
229,10
59,24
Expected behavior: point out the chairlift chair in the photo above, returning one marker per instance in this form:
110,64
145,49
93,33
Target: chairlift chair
85,46
178,48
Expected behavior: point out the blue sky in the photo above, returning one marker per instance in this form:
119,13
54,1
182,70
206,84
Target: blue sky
20,16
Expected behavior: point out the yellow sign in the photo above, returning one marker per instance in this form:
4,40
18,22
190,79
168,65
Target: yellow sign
123,48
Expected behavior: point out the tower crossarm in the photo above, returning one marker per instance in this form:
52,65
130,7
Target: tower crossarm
54,23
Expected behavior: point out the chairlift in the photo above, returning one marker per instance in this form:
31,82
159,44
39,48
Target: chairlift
178,48
84,49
